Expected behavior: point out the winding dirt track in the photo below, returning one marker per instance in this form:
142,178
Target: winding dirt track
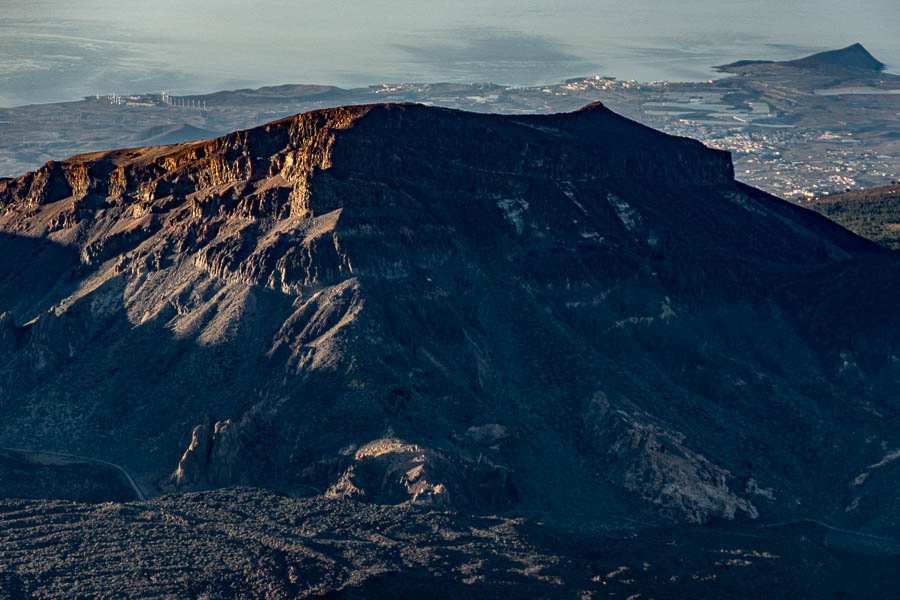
138,492
833,528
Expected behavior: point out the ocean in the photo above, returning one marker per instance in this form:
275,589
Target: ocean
54,51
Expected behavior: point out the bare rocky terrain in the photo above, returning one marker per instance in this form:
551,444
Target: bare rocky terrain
571,319
243,543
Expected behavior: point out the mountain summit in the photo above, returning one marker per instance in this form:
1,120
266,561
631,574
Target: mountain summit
398,303
854,57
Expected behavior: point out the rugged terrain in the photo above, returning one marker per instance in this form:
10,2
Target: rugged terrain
243,543
872,213
566,314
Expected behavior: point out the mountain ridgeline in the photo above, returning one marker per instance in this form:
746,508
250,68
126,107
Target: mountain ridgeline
853,57
398,303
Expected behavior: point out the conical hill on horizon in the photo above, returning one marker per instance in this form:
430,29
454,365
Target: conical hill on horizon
854,57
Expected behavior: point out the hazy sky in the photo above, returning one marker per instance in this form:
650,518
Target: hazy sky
52,50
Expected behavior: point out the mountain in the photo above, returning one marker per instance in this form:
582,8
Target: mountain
854,57
570,314
872,213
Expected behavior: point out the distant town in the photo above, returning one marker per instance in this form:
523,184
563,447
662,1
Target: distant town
795,132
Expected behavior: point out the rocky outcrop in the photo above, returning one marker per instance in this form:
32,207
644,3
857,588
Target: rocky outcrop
653,462
388,471
215,457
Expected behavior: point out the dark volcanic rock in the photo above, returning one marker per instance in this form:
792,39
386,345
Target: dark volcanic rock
644,457
390,472
242,543
560,313
853,58
216,456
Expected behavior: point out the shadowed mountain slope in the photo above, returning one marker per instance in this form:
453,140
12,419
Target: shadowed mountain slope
398,303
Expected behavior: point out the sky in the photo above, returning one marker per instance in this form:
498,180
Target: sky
52,50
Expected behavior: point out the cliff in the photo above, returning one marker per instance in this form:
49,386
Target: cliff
398,303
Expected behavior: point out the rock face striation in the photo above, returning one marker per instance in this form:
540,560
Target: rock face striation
397,303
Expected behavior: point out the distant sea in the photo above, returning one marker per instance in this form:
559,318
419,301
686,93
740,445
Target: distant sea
56,51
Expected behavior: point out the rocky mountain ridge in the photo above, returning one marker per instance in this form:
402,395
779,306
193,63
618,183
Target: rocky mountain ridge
397,303
854,56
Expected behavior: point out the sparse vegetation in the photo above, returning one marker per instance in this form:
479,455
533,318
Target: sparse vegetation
873,214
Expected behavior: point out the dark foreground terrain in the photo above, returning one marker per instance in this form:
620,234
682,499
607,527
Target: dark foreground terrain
244,543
